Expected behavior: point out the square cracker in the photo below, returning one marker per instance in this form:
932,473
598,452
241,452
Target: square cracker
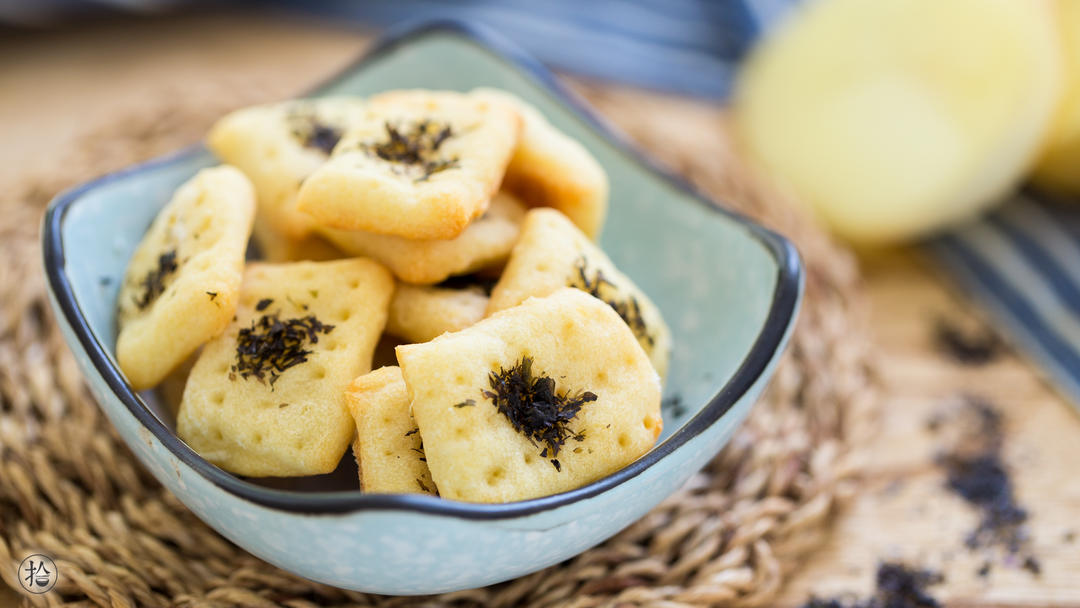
278,146
552,253
388,447
551,169
473,451
486,242
421,166
181,285
275,247
295,423
420,313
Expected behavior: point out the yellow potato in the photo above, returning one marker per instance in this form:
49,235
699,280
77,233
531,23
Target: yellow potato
1058,169
893,118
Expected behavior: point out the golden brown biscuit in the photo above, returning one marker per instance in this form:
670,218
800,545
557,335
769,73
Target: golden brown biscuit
278,146
388,448
181,285
486,242
421,313
552,253
277,248
422,165
551,169
266,398
600,406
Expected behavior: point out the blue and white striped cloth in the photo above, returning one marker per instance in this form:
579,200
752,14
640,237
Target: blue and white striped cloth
683,46
1021,262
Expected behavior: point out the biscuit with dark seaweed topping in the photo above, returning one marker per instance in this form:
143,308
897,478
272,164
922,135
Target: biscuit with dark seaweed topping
278,146
266,398
422,165
553,253
537,399
183,281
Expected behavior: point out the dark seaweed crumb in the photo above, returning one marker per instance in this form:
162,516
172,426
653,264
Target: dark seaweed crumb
272,345
555,463
626,306
984,569
535,408
467,281
422,459
975,471
423,487
153,284
414,146
412,432
466,403
896,586
282,405
1032,565
674,404
312,132
966,347
323,137
263,304
212,294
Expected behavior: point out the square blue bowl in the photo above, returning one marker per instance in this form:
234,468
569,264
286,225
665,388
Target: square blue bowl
728,288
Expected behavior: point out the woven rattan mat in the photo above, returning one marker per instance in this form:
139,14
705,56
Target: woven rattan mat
69,488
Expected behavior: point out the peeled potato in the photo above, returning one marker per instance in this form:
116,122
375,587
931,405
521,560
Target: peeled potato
893,118
1058,169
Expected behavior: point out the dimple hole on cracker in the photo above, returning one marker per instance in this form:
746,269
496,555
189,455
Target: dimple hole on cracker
495,475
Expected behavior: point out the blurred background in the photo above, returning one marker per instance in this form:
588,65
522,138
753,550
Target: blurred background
932,146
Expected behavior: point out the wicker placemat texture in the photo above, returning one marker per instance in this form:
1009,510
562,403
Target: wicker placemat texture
69,488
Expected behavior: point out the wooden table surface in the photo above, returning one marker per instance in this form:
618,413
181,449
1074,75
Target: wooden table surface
56,86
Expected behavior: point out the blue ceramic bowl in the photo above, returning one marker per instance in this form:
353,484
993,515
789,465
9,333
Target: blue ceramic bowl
728,287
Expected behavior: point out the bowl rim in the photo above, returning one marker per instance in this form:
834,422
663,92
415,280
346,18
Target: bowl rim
770,340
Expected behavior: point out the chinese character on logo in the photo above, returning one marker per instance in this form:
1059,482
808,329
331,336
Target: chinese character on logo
37,573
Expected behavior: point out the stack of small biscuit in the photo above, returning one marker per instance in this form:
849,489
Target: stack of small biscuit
458,226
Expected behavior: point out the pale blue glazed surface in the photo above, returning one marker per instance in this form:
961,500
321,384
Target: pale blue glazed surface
712,277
